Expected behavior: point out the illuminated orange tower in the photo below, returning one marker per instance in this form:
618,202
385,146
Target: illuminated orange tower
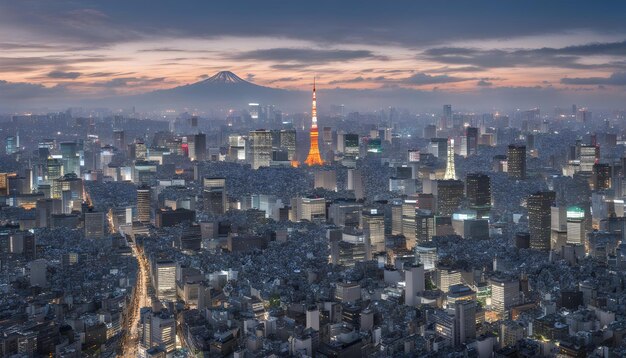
314,152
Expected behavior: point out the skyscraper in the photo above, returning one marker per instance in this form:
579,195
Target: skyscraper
199,141
374,229
287,140
471,133
450,171
516,158
314,151
214,195
478,193
261,148
164,279
143,203
539,219
449,196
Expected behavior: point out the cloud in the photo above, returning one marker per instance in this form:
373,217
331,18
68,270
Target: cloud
359,79
564,57
250,77
616,79
304,56
421,78
483,83
64,75
23,91
121,82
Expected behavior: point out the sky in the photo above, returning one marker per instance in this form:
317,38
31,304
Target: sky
93,49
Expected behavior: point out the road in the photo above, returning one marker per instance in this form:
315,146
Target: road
139,299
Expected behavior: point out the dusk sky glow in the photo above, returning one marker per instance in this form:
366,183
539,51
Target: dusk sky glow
93,49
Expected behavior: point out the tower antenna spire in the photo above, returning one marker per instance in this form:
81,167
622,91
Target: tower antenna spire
314,157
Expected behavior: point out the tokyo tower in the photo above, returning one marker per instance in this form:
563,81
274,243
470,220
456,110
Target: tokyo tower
314,152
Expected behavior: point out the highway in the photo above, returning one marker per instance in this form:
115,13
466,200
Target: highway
139,299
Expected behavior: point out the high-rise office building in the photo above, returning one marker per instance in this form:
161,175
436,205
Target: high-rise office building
119,141
351,145
504,294
601,179
438,147
260,148
464,321
144,199
199,141
287,140
449,196
214,195
69,188
314,157
44,210
414,284
471,135
158,330
539,221
588,156
70,157
164,279
326,179
575,225
516,161
374,229
450,170
310,209
446,119
355,183
478,193
94,224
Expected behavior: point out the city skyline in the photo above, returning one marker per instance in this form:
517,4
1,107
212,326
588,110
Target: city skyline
72,53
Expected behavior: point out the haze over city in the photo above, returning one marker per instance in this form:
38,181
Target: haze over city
322,179
97,52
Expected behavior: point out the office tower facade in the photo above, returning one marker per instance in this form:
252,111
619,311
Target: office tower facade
355,183
214,195
446,119
260,148
94,224
601,179
449,196
44,210
70,157
144,199
199,141
516,161
287,140
414,284
314,158
471,144
504,294
164,279
464,321
575,225
374,229
438,147
326,179
450,170
119,141
588,156
158,330
236,147
351,145
478,193
539,221
311,209
69,188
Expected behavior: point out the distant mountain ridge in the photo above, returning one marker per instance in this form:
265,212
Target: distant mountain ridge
220,90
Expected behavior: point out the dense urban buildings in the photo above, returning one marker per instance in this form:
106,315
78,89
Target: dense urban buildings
443,195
